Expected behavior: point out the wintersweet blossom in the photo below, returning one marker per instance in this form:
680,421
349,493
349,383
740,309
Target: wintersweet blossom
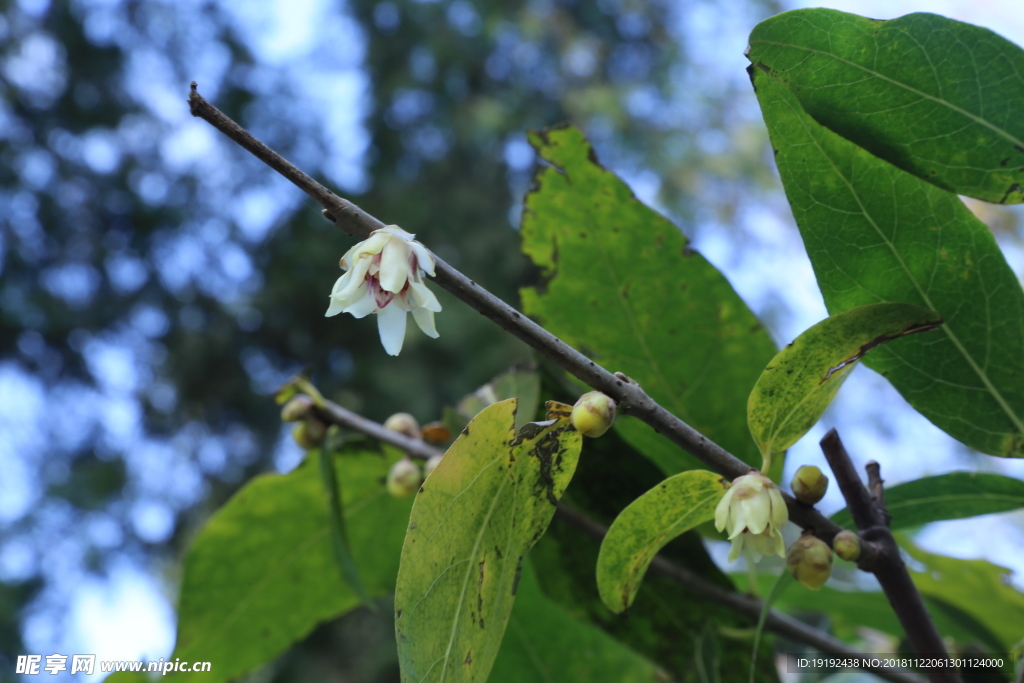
385,276
753,512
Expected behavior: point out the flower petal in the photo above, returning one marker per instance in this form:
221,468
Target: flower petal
756,512
334,309
424,259
362,307
425,319
395,231
368,247
737,548
722,511
422,297
347,286
780,513
394,266
391,325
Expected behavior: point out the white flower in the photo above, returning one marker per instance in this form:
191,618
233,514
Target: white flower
754,513
385,276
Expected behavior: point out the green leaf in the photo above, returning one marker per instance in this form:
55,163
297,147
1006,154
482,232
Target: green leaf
947,496
671,508
803,378
127,677
976,587
262,573
472,524
875,234
621,284
939,98
708,656
666,617
339,536
545,644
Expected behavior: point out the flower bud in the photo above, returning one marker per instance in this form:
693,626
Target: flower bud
403,423
309,433
296,408
847,545
436,433
809,560
593,414
404,478
431,464
809,484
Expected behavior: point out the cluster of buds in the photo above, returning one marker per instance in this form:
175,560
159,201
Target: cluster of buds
405,476
308,432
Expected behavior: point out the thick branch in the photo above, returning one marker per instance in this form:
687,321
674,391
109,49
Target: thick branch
744,604
869,515
631,398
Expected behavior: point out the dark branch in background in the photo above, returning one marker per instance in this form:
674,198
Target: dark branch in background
745,604
872,520
883,560
631,398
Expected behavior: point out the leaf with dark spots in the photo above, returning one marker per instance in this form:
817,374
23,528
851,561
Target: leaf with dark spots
784,405
875,233
595,296
494,489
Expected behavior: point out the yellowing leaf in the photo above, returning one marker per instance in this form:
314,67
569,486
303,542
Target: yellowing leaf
803,378
472,524
671,508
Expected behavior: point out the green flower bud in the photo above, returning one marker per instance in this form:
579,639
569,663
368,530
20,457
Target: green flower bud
593,414
847,545
296,408
403,423
809,560
809,484
309,433
431,464
404,478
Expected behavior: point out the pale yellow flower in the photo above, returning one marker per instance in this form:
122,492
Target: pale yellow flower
753,513
385,276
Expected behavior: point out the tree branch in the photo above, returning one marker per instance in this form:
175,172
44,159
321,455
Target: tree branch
631,398
744,604
879,550
872,521
777,622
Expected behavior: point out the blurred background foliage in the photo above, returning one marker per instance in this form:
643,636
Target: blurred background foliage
157,284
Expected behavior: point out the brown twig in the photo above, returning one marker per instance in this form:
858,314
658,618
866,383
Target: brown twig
631,398
333,413
872,521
